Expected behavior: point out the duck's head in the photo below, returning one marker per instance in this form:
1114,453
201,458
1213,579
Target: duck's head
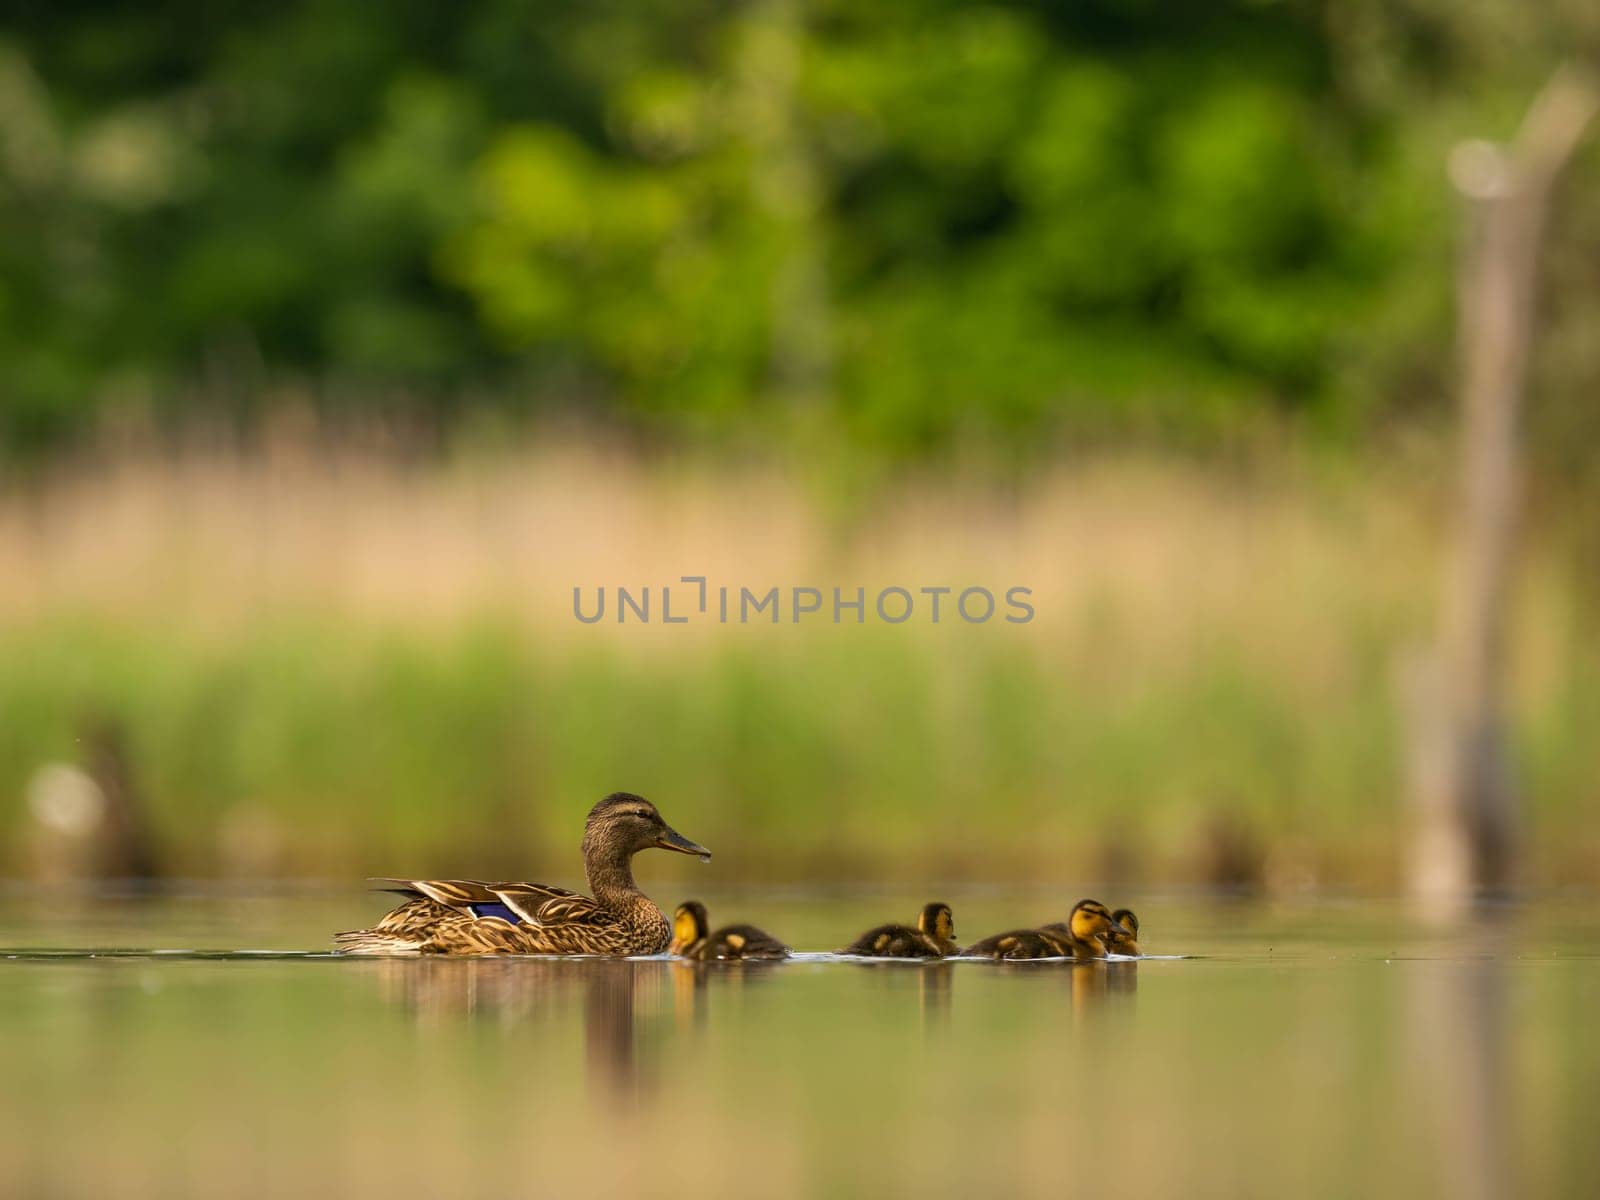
689,925
623,824
1092,921
1128,920
937,921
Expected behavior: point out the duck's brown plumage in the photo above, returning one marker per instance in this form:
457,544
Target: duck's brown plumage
1082,937
692,940
465,916
934,937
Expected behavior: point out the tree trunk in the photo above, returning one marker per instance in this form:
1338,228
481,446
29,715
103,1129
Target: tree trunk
1464,794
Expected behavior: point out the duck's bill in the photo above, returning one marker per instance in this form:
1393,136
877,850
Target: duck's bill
1119,927
671,839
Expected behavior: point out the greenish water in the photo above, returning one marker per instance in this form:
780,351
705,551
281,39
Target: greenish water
1325,1050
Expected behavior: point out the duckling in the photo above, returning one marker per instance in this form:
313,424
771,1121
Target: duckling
1082,937
934,937
1088,930
691,940
1128,943
1017,944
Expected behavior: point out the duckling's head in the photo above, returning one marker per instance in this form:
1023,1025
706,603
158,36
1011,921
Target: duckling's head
1126,918
937,921
689,925
1092,921
623,824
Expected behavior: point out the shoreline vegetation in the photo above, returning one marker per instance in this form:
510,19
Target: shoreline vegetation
341,662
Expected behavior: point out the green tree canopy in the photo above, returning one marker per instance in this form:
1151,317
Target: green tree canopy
918,218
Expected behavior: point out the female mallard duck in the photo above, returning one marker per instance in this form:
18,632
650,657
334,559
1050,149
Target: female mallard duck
1081,936
1128,943
934,937
463,916
691,939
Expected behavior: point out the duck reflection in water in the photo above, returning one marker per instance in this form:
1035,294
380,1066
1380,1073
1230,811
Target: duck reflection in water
628,1006
624,1005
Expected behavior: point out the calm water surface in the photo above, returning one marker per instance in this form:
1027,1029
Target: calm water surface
1309,1050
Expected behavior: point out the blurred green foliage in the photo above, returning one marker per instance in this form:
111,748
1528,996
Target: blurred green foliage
860,754
919,218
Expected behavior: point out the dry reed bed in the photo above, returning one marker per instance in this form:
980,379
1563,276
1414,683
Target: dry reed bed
1167,595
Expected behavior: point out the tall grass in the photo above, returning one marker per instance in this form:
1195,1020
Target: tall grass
334,663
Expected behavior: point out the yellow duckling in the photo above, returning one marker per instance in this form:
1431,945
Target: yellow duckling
1088,930
1082,937
1128,943
934,937
691,940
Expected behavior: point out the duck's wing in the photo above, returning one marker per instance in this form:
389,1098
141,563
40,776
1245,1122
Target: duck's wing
534,903
539,904
456,893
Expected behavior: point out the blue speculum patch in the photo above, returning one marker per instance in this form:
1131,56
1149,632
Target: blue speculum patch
495,910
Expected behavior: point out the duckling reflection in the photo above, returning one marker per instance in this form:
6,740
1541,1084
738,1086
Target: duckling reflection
1102,986
694,982
926,983
934,993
